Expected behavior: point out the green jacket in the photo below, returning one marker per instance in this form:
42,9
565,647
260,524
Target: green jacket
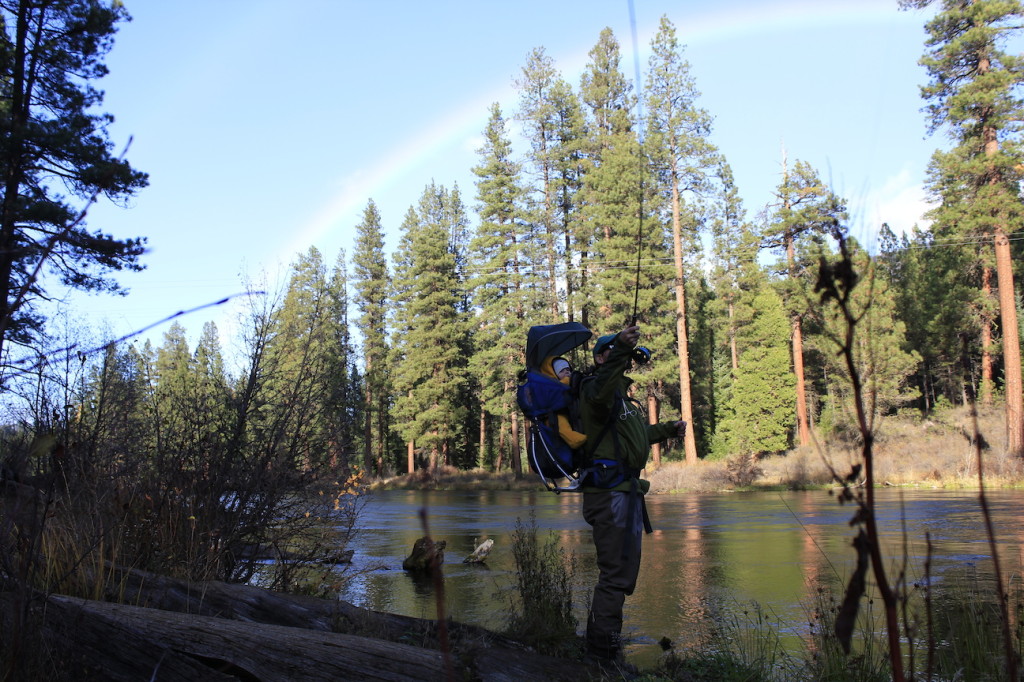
603,398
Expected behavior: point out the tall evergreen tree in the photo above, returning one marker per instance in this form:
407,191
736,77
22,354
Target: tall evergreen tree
975,93
301,356
806,211
173,379
54,153
758,414
735,278
935,296
554,127
373,291
627,269
679,147
430,329
614,191
500,285
345,384
536,112
883,364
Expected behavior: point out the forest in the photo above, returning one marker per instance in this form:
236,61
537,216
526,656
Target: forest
620,208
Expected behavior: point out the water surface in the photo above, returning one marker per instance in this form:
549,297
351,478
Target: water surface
711,555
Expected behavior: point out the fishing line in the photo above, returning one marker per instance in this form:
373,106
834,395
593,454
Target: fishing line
636,71
813,540
68,352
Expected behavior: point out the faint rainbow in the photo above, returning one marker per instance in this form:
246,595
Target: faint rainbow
344,208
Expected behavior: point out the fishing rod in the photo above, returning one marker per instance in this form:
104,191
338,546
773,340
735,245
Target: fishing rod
640,140
641,355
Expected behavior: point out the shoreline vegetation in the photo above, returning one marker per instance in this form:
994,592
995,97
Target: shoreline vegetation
937,452
181,628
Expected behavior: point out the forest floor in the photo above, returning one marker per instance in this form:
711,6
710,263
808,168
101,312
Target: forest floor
939,452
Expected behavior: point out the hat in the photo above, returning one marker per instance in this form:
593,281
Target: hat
604,343
559,364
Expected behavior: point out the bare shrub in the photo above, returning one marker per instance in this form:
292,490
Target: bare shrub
743,470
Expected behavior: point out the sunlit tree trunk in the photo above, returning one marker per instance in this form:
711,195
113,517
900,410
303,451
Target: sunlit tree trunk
985,394
802,425
685,400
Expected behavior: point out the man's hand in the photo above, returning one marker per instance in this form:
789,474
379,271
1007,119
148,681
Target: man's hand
680,428
630,335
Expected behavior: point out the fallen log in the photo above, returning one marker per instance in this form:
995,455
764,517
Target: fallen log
133,643
218,631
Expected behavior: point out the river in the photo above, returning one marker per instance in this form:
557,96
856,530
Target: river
711,556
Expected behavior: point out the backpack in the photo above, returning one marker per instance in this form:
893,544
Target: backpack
541,398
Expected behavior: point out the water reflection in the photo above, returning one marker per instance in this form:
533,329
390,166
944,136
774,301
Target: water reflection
710,555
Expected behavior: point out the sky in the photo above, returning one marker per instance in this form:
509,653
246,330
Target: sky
266,127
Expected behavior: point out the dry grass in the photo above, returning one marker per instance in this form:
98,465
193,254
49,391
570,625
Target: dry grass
936,452
450,478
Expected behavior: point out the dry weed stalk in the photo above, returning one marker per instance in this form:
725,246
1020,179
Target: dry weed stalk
1004,616
836,283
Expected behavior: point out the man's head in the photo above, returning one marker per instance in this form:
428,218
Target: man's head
604,344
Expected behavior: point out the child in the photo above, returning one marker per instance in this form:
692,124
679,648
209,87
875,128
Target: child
560,369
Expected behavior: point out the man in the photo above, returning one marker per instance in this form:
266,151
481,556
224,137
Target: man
616,429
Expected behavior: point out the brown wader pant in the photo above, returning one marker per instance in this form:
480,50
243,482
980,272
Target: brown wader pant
617,532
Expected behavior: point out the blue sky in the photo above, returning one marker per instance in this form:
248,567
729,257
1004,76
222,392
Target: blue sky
267,126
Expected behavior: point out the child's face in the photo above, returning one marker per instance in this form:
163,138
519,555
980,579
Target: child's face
564,372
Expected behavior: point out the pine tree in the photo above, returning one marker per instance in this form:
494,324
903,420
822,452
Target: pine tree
55,157
735,278
501,283
735,272
627,269
345,400
112,418
618,202
373,291
554,126
806,211
935,295
173,379
882,363
683,156
975,95
300,360
212,394
430,329
758,414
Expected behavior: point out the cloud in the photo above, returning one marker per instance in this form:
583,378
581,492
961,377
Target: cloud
901,202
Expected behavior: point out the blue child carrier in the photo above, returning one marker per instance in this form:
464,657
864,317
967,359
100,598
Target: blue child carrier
541,398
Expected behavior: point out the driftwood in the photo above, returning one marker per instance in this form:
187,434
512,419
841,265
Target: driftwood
170,630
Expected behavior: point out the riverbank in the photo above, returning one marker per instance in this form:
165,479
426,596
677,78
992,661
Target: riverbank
938,452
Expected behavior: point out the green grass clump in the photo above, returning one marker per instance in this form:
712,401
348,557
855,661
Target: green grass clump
543,614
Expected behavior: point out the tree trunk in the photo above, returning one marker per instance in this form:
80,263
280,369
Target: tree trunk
985,394
803,430
517,453
368,426
410,457
499,461
483,439
685,400
733,351
652,418
1011,346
